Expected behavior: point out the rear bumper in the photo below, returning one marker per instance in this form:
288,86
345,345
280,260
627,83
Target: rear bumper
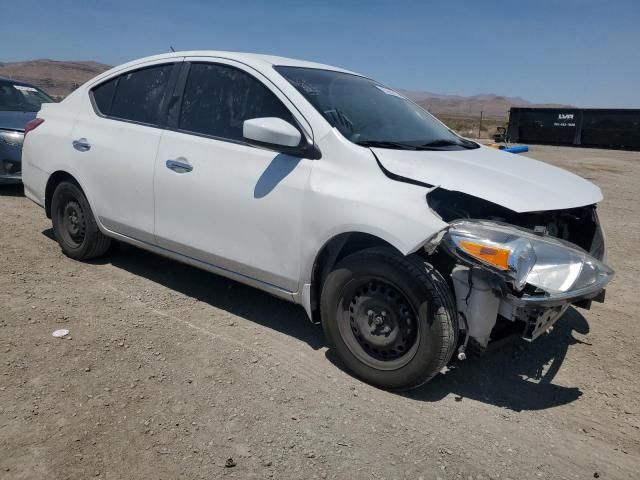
10,157
10,179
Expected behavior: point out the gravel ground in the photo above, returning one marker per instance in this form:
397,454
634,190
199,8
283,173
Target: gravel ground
170,371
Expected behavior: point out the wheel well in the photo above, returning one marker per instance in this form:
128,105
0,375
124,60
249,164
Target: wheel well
331,253
54,180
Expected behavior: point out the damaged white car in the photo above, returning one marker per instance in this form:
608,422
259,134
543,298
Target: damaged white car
323,187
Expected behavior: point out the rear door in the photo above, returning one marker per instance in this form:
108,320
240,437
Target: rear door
115,141
232,205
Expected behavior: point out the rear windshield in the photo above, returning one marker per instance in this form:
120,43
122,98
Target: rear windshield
21,98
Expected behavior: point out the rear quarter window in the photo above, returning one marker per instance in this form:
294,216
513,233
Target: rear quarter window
103,94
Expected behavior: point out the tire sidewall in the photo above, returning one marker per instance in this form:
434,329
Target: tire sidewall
91,228
427,358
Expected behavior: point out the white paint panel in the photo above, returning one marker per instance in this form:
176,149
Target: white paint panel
240,207
117,172
516,182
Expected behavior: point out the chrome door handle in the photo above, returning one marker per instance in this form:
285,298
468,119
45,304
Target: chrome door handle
179,165
82,144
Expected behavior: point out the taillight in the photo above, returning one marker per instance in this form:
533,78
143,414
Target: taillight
32,125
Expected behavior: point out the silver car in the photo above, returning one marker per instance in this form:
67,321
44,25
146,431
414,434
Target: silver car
19,103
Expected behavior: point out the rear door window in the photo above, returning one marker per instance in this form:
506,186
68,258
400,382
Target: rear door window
218,99
138,95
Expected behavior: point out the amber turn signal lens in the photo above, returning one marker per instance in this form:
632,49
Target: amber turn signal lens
498,257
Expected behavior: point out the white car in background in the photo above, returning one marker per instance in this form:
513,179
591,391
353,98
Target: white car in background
324,188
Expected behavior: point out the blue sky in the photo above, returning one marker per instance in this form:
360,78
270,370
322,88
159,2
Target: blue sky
583,52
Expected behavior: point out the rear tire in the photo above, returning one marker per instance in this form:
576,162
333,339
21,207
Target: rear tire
390,319
74,225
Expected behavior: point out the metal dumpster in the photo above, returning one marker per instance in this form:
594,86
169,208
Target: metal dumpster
586,127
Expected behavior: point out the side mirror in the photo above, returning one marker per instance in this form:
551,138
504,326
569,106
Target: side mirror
271,131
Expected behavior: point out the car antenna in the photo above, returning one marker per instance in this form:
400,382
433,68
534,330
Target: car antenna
172,49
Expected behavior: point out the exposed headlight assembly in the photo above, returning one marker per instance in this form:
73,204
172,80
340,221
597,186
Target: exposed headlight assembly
557,269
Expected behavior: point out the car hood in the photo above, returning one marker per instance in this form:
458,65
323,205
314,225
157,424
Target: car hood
10,120
513,181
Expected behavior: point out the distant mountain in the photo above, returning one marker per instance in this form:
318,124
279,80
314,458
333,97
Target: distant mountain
490,105
57,78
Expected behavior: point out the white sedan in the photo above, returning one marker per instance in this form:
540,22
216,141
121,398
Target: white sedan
323,187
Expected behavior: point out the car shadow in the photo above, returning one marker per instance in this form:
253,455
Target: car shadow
512,374
219,292
281,166
12,190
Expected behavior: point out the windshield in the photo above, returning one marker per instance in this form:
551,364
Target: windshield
370,114
21,98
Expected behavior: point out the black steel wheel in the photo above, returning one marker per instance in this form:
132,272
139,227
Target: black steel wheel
74,225
390,319
379,325
73,222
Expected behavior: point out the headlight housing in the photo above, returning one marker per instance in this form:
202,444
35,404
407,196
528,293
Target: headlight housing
559,269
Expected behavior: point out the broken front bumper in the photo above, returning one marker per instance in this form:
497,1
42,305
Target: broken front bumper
519,275
539,316
481,300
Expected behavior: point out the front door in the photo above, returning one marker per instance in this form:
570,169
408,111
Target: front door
219,199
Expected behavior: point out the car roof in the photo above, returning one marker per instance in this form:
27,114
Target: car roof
16,82
249,58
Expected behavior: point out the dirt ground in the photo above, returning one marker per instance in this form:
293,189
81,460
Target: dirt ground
170,371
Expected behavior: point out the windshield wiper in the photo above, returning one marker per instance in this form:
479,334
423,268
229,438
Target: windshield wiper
385,144
442,142
439,144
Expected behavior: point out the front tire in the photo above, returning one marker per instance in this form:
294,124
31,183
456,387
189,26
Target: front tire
74,225
390,319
